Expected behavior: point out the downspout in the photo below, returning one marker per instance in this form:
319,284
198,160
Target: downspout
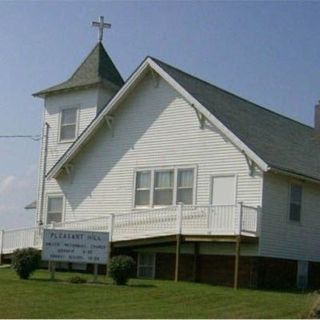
45,156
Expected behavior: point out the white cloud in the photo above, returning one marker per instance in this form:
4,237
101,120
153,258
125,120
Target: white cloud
12,183
16,191
7,184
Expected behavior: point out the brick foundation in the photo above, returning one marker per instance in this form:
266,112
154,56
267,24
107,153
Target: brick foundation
276,273
314,275
254,272
165,266
220,270
214,269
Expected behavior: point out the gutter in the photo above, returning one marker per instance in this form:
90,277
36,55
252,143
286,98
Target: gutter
294,175
40,221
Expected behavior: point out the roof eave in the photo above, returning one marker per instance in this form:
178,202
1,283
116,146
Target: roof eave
102,82
293,174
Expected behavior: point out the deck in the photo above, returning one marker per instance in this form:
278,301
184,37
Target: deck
204,221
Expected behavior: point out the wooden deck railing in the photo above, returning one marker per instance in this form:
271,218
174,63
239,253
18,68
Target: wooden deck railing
181,219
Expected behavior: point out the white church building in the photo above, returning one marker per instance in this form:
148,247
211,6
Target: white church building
196,183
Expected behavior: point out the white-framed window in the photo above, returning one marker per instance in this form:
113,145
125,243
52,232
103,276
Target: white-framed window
295,202
54,208
302,274
146,265
185,185
68,124
164,186
143,188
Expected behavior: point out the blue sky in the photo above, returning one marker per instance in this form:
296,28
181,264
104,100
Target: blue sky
267,52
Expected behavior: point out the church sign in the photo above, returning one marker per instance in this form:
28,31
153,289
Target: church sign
75,246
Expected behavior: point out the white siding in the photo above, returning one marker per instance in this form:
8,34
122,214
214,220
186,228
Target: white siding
87,101
153,127
282,238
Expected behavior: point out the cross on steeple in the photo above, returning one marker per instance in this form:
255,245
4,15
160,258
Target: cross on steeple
101,25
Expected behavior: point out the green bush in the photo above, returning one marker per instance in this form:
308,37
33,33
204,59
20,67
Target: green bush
25,261
77,279
121,268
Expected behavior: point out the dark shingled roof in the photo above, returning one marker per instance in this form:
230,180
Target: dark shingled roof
97,68
282,143
32,205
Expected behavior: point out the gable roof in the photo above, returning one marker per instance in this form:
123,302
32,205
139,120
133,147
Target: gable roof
268,138
281,142
97,68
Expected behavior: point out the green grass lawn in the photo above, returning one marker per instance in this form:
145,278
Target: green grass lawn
41,298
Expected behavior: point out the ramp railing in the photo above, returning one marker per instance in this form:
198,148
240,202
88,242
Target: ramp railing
180,219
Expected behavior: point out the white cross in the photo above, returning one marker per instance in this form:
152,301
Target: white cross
101,25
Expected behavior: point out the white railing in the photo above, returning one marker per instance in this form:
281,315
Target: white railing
91,224
145,223
20,238
250,222
180,219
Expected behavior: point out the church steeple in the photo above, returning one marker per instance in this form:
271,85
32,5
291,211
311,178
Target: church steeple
96,70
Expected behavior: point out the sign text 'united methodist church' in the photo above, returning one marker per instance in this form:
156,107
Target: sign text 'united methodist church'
75,246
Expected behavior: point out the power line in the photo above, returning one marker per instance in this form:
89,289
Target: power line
34,138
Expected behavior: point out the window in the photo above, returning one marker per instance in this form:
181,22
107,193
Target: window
185,186
295,202
163,187
54,209
68,124
302,274
146,265
143,184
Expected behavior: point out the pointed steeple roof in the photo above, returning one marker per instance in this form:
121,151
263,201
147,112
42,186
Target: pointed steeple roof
96,69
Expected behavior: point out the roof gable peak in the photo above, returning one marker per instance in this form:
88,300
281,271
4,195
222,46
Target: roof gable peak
96,68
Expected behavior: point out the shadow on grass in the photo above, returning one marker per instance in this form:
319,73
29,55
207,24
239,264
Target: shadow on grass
261,289
92,283
47,280
142,286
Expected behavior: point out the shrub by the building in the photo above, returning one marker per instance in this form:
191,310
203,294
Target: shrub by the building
121,269
25,261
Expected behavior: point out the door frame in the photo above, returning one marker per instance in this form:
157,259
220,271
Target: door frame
234,175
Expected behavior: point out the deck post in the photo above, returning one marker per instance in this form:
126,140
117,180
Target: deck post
259,213
179,217
195,262
210,220
111,226
178,244
236,264
178,248
1,244
239,218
